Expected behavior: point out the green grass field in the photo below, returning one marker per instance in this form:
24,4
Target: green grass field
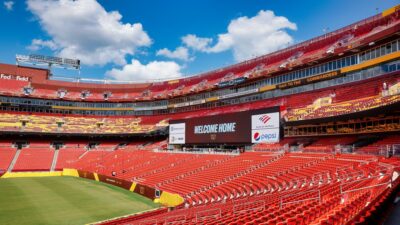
65,200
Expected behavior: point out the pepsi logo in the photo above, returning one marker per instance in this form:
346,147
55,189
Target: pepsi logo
256,136
265,136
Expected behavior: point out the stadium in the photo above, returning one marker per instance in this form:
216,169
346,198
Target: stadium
309,134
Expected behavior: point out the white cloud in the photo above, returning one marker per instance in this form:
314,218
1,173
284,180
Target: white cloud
142,72
39,44
85,30
225,41
181,53
196,43
9,5
248,37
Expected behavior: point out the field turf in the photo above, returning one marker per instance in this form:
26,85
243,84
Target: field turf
64,200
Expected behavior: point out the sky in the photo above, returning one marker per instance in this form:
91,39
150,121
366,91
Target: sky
136,40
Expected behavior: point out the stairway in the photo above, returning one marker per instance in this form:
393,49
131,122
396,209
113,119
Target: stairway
11,167
83,154
55,157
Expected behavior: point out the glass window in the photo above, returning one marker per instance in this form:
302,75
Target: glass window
383,51
388,48
367,56
353,60
394,46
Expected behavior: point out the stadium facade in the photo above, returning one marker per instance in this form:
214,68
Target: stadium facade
309,134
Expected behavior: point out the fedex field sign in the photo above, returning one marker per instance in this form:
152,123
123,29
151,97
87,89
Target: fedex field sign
12,77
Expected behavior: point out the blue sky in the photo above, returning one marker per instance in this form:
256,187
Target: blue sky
136,40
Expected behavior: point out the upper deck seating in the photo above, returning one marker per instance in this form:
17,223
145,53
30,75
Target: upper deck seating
315,50
345,100
12,87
